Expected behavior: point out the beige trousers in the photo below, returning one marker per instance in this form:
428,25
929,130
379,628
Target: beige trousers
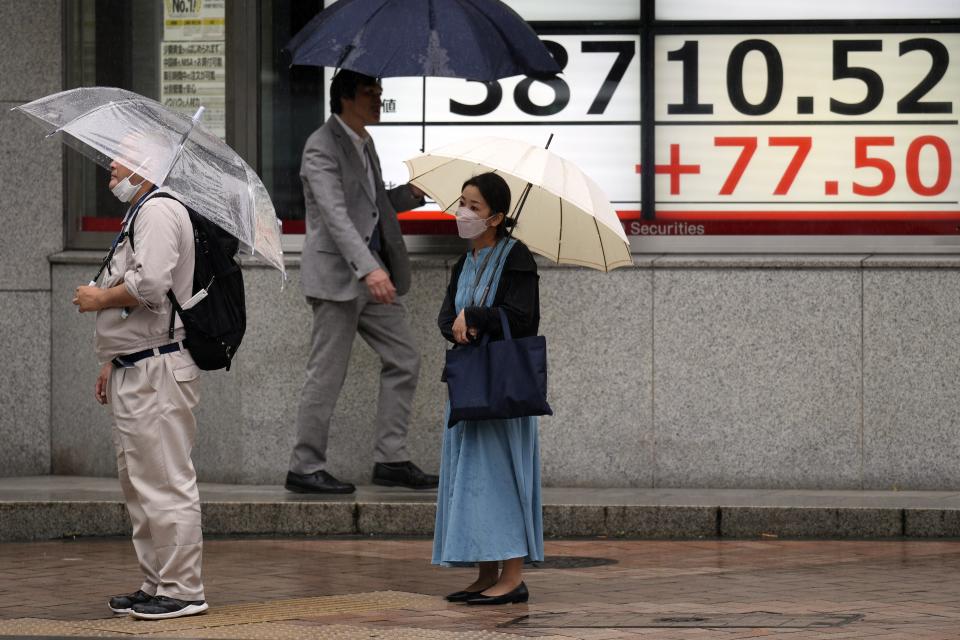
153,433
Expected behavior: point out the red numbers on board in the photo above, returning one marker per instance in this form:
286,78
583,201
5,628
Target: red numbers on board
865,157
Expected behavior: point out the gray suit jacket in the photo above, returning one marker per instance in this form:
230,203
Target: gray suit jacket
341,213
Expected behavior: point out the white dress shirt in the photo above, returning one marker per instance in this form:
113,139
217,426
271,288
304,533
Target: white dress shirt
361,146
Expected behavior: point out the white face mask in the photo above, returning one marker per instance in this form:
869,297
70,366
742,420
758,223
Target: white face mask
124,191
469,224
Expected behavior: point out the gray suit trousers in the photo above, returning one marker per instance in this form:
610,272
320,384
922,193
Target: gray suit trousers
386,329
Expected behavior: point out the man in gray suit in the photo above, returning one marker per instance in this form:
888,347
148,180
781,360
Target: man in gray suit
354,266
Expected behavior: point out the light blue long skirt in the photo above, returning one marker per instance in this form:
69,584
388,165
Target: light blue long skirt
488,502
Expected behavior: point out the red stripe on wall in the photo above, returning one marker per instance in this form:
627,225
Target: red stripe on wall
796,223
694,223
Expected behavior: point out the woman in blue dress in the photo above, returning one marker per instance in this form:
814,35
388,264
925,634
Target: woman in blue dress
488,503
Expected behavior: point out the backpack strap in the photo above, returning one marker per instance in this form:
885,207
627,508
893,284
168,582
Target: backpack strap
129,231
173,312
153,194
173,299
126,232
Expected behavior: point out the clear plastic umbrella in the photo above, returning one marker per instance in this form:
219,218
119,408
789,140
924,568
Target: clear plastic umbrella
171,151
565,214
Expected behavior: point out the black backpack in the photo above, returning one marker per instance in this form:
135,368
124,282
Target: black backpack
215,326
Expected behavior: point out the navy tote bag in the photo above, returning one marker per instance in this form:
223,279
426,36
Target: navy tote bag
501,379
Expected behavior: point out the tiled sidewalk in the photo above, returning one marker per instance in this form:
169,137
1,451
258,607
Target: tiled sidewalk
598,589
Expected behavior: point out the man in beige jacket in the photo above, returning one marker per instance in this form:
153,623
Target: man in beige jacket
148,379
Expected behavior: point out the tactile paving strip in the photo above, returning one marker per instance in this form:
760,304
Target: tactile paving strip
274,631
225,616
257,631
30,627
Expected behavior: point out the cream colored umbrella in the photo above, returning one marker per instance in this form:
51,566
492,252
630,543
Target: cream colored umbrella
564,216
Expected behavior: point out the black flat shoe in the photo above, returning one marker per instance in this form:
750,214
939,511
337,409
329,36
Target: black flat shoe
319,482
461,596
520,594
403,474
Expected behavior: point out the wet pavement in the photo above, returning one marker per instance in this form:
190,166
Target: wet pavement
588,588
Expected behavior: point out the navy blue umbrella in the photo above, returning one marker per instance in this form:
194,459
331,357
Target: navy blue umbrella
481,40
472,39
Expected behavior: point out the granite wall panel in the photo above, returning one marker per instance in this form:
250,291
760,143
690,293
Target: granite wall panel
757,378
911,378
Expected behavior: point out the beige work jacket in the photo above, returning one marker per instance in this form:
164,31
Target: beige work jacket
162,259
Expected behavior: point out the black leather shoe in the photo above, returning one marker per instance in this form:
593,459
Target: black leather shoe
124,604
403,474
163,607
319,482
461,596
520,594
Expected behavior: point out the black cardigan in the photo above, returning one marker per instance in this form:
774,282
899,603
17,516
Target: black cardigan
518,294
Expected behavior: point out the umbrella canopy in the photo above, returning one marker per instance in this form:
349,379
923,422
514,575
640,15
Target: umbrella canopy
169,150
473,39
565,217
